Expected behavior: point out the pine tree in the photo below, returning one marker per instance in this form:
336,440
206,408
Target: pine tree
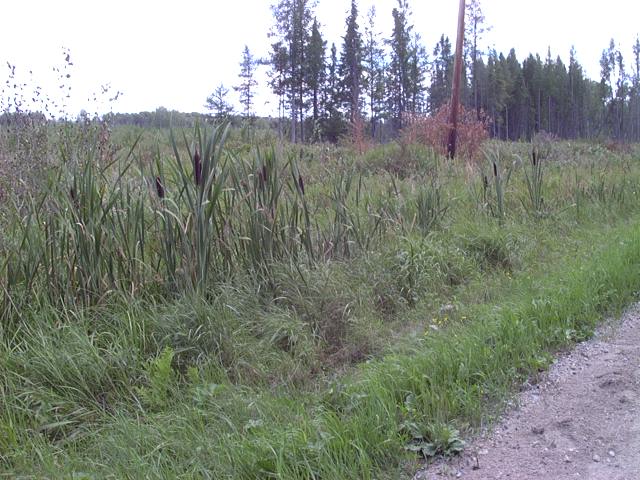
333,125
398,72
278,79
607,85
516,105
217,103
418,62
532,72
351,65
373,68
622,91
315,71
247,81
475,29
576,97
441,74
293,20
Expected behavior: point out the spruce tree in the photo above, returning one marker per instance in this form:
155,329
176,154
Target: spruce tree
333,125
315,71
351,65
246,87
279,79
292,31
475,29
418,64
441,74
398,72
373,69
218,104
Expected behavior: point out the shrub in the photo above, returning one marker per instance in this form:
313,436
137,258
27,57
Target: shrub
434,131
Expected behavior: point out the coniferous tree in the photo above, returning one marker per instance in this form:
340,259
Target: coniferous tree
520,98
373,68
217,102
516,104
496,91
351,65
333,125
315,72
246,87
293,20
575,94
278,79
607,72
418,64
475,29
441,74
398,71
533,78
622,91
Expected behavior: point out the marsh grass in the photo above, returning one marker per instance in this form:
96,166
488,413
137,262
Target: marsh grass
197,308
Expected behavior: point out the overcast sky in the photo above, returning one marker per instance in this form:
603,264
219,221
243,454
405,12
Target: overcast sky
173,54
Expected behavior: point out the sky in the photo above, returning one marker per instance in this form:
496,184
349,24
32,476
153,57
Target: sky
174,54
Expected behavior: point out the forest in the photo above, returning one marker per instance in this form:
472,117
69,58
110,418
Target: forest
385,80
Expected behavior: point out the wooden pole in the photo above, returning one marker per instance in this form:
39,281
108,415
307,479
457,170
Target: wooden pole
455,91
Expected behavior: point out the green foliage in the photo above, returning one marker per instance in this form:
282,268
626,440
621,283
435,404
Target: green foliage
161,381
497,176
430,206
534,177
434,440
288,312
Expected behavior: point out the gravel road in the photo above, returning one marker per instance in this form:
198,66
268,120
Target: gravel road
582,420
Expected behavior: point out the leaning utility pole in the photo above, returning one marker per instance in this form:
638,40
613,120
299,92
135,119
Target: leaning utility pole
455,91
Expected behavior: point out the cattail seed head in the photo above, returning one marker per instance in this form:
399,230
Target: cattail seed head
159,188
495,170
485,182
74,197
197,168
260,180
264,173
301,184
534,157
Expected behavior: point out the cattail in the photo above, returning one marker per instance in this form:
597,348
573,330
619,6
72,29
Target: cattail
534,158
301,183
74,197
485,182
495,170
260,180
197,168
264,173
159,188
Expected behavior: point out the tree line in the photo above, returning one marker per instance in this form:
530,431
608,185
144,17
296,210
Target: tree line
322,90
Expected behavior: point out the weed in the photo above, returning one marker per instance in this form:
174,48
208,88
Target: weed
161,381
534,177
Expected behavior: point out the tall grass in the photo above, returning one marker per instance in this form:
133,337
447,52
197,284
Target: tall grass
534,178
182,223
195,308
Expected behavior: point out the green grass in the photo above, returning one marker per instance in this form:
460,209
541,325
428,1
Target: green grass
365,321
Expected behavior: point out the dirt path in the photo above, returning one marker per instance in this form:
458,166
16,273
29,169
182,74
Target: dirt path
581,421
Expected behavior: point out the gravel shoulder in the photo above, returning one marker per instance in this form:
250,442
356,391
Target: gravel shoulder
582,420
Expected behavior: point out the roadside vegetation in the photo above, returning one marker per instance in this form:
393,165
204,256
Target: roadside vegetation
210,303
